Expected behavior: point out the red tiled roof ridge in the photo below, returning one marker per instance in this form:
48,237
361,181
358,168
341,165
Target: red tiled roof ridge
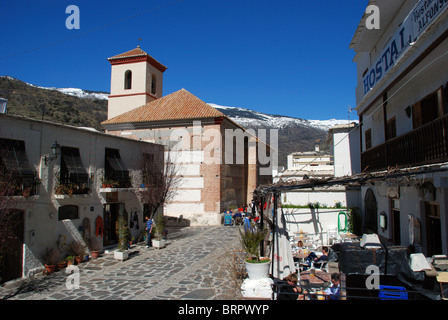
131,53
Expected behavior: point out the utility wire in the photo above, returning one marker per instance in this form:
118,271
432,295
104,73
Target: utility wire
50,44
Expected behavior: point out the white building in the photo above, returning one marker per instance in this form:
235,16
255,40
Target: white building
341,160
401,99
67,201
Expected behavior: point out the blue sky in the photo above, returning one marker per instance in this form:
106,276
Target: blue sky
287,57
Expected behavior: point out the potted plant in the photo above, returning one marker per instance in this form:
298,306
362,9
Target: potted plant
50,258
124,237
62,264
78,250
159,230
257,267
70,260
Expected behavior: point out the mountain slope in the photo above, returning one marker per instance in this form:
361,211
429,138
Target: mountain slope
51,104
88,109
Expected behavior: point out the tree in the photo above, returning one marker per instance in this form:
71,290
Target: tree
158,181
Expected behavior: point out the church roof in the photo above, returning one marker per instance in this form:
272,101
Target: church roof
179,105
136,55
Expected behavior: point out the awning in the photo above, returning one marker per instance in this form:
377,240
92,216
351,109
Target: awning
118,167
14,158
73,163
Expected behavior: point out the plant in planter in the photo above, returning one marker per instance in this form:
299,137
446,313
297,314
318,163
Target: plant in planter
124,238
159,231
257,267
78,250
70,260
95,251
51,257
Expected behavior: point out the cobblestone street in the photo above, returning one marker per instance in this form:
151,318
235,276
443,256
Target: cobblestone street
197,263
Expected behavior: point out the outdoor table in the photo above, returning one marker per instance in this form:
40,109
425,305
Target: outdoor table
348,236
321,279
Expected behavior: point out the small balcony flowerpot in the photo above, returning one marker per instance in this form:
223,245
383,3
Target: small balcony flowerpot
95,254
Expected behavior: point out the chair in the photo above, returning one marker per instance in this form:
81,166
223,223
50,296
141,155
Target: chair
321,265
332,234
392,293
441,279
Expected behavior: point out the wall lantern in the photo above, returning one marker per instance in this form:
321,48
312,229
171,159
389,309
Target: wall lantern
383,221
55,150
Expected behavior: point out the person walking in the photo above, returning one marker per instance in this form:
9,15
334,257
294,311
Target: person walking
148,231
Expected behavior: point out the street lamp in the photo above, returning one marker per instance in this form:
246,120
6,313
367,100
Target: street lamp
55,150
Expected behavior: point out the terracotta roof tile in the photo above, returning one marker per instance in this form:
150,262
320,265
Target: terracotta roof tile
136,54
175,106
131,53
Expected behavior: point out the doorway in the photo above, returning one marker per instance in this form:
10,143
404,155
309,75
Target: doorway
396,223
111,213
433,228
12,250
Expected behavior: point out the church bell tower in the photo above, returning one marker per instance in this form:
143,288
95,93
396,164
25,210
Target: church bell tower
136,79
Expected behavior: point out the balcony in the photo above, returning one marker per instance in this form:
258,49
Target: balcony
425,145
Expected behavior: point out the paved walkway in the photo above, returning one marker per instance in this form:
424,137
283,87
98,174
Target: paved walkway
197,263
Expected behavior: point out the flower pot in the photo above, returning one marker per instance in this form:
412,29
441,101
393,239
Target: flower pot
121,255
70,262
62,265
50,268
258,270
95,254
78,259
156,243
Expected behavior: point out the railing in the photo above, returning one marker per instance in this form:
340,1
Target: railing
425,145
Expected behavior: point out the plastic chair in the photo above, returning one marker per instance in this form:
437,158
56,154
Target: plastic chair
441,279
321,265
392,293
332,234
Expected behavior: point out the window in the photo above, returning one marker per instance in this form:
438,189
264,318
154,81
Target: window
115,170
428,109
153,83
368,138
14,163
128,80
72,169
68,212
391,128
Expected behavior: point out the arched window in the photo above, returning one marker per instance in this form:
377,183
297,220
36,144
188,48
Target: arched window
153,83
128,79
370,209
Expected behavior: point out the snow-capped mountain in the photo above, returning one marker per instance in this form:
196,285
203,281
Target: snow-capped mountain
253,119
245,117
89,108
80,93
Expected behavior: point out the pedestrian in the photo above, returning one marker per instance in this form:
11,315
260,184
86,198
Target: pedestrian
148,231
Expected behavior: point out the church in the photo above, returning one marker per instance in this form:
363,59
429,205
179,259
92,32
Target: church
219,162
